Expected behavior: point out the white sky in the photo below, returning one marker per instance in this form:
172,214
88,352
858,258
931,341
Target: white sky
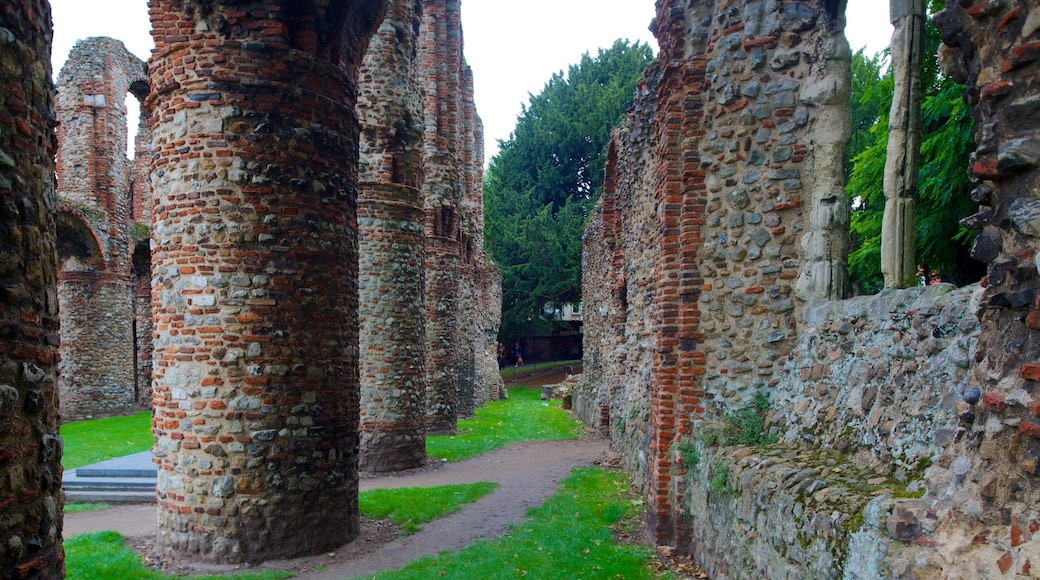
513,46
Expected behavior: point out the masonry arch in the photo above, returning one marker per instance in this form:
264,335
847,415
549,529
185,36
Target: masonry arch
105,199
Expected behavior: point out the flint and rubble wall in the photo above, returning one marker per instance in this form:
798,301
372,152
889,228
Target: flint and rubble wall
726,174
102,192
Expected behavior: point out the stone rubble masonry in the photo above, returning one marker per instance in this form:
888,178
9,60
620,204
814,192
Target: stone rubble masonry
987,477
255,275
31,499
417,53
440,59
481,280
391,218
103,297
728,212
714,269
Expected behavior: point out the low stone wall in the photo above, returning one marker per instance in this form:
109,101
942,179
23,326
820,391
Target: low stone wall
878,377
864,402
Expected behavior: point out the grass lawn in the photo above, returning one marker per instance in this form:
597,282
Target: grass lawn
94,440
570,536
102,556
410,507
523,417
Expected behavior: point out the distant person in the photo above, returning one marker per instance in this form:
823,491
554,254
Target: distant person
501,356
519,354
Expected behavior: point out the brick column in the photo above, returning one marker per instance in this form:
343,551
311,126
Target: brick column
390,214
30,448
255,275
440,54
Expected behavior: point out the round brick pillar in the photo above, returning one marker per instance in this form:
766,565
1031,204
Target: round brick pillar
393,369
30,448
255,275
390,216
440,64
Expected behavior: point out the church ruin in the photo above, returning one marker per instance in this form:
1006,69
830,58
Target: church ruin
297,155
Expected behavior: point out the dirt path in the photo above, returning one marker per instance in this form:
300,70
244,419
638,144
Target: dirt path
527,473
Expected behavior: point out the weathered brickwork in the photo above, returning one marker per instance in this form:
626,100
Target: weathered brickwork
457,269
31,499
712,269
407,170
481,280
734,216
390,215
102,195
255,272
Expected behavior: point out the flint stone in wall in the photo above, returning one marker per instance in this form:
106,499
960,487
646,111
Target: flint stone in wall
1024,113
987,246
798,16
1032,23
1025,215
785,59
1018,155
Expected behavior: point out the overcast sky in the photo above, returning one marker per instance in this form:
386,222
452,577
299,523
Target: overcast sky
513,46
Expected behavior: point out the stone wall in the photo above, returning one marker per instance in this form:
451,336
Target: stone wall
726,214
30,445
899,429
987,477
255,273
103,194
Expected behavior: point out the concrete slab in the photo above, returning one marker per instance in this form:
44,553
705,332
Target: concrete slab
128,479
136,465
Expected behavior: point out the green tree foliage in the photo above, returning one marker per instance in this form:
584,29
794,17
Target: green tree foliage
943,196
543,182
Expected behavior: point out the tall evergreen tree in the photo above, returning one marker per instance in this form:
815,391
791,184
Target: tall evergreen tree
541,185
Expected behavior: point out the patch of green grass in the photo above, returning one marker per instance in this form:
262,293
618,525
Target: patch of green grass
96,440
570,536
745,426
102,556
72,508
410,507
689,456
720,480
523,417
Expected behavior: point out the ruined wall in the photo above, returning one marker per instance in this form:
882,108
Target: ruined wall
97,282
618,306
31,448
732,216
255,272
391,218
481,280
900,428
987,479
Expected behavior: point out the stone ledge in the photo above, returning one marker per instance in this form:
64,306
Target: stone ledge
790,510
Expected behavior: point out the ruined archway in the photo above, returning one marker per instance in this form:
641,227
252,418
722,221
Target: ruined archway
104,194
